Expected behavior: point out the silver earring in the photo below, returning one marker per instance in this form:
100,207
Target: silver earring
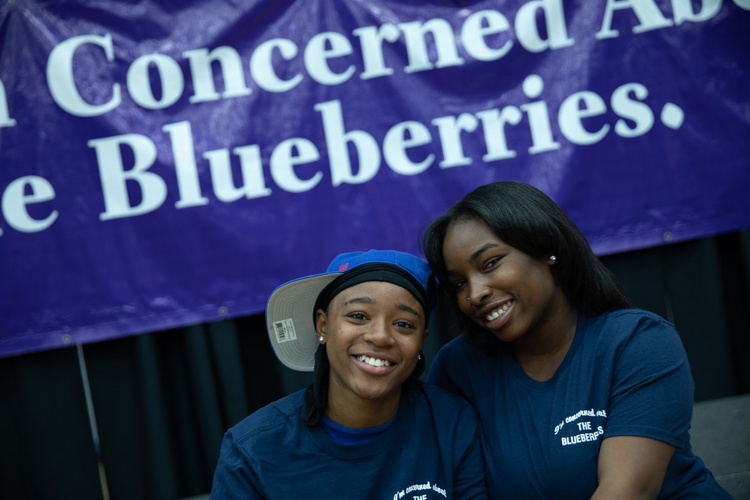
552,258
419,357
321,338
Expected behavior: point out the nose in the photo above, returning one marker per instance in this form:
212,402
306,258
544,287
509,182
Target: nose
379,334
477,291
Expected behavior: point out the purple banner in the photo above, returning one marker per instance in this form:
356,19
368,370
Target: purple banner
163,164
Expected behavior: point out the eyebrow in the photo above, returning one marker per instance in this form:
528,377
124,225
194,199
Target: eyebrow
359,300
405,308
479,252
368,300
476,254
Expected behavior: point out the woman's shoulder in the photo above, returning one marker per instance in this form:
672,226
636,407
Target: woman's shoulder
460,366
278,417
445,408
632,334
460,350
624,323
439,397
456,346
459,358
631,315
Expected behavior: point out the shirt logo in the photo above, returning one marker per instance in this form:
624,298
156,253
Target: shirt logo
420,492
582,430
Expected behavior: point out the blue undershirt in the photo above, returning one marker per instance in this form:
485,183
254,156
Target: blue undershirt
347,435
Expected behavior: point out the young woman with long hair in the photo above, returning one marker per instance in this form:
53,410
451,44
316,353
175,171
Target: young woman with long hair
579,394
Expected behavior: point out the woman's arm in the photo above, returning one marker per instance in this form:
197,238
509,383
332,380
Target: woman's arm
651,404
469,480
631,467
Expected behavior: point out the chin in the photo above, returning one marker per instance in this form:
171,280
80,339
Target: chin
504,336
377,392
373,394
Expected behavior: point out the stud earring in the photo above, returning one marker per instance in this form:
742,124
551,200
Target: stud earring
552,258
419,357
321,338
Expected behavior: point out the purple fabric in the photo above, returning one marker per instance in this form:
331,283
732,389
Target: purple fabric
114,138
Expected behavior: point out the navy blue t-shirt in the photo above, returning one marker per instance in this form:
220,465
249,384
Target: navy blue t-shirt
626,374
431,451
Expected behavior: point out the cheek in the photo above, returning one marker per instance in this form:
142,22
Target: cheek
463,303
465,308
410,352
542,279
337,341
468,310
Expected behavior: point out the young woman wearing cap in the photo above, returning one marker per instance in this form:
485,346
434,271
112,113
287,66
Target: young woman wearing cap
579,395
366,428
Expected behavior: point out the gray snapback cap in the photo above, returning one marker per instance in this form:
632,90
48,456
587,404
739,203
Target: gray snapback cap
289,320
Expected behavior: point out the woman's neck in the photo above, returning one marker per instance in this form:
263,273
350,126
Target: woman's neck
351,411
541,352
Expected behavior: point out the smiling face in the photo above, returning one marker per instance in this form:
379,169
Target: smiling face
499,287
373,333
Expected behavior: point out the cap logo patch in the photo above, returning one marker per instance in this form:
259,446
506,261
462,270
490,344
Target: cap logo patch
284,330
343,267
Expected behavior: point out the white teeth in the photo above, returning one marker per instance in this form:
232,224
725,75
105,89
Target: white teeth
498,312
374,361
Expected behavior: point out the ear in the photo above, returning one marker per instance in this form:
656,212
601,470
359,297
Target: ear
321,323
424,336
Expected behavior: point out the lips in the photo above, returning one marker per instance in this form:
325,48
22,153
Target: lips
493,317
374,361
375,365
497,312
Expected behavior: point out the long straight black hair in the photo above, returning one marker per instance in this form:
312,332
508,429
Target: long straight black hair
527,219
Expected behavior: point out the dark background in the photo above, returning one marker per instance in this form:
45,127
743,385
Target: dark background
163,400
